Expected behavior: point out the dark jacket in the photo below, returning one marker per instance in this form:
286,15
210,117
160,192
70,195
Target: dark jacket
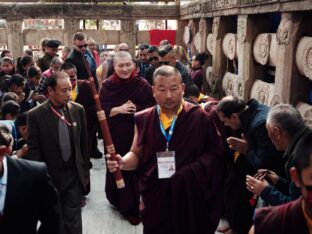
285,190
30,197
261,151
43,143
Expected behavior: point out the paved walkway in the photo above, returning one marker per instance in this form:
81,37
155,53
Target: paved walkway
98,216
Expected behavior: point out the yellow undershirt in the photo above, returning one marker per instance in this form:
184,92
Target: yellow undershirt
307,218
166,122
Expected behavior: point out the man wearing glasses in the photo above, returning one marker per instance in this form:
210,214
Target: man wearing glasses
81,57
152,58
167,56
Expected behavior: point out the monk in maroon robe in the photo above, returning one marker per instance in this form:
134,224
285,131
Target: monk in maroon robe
121,95
187,200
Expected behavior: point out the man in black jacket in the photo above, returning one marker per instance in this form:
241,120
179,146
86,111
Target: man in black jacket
83,60
26,194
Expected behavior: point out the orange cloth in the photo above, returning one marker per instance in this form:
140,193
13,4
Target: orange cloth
166,122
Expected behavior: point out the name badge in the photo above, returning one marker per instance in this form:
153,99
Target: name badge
166,164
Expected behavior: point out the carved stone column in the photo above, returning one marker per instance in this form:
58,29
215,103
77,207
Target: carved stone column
180,32
71,26
15,37
247,30
128,34
287,34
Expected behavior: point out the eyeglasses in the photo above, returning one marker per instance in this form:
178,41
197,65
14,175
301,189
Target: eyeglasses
155,58
163,62
81,46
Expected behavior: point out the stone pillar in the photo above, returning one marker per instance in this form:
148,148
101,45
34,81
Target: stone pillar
128,34
15,37
71,26
286,75
247,30
180,32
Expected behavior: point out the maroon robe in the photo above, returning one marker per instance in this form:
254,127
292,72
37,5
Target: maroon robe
287,219
190,202
113,94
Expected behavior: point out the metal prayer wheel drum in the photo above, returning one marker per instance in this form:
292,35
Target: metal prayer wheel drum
304,57
230,46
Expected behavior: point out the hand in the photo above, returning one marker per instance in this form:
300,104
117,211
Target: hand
237,144
22,151
38,97
271,176
255,186
112,165
127,108
21,97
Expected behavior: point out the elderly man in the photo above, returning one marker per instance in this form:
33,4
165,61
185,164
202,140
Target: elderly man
122,95
168,56
57,136
177,151
49,53
295,216
286,129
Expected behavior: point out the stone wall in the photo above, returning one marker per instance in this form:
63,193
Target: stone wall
258,49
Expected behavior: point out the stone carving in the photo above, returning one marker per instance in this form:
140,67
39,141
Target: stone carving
241,28
229,84
209,76
14,27
261,48
215,25
304,57
229,45
273,50
284,30
306,112
127,26
262,92
211,43
240,89
194,8
275,101
187,36
197,42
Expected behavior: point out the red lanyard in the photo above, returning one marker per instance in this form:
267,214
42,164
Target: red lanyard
62,117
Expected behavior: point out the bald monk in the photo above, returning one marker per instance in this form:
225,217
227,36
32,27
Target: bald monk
178,154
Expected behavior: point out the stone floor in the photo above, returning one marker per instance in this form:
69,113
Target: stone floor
98,216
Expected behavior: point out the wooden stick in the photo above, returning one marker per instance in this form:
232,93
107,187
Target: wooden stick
104,126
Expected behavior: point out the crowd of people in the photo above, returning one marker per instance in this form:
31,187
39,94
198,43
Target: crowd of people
188,160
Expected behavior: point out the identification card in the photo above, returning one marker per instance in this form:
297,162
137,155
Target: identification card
166,164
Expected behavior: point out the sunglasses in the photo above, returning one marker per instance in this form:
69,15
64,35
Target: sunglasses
150,59
163,63
81,46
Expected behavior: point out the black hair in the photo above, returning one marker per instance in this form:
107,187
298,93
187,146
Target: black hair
4,82
21,119
67,66
230,105
5,135
4,52
201,57
9,96
191,90
7,60
52,81
152,49
164,50
17,80
303,153
33,71
143,46
26,60
10,107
